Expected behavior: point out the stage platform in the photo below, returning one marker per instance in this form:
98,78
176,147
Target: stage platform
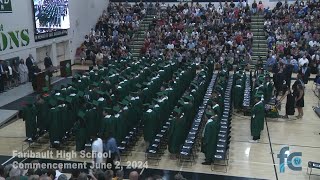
8,115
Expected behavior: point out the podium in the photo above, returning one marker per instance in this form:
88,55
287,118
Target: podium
41,80
65,68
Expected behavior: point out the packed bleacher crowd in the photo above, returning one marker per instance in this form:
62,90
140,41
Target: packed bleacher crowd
292,32
112,35
192,31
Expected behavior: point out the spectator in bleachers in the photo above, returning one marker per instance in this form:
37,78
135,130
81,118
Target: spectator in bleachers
114,30
134,175
294,34
190,31
2,177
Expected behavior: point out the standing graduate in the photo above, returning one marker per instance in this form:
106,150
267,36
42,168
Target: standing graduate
30,117
81,131
209,139
257,118
177,132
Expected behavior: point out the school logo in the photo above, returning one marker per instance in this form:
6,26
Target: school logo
5,6
292,160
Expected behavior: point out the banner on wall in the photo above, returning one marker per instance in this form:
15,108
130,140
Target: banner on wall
5,6
49,35
13,39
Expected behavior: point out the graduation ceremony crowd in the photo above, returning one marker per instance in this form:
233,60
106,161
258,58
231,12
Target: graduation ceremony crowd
120,99
293,40
113,33
196,31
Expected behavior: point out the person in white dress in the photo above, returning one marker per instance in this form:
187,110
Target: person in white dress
23,72
97,152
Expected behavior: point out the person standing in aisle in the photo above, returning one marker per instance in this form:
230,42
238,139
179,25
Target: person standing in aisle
300,100
257,119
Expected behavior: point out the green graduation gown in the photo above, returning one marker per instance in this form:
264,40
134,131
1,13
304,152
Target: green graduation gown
30,118
257,118
177,134
209,141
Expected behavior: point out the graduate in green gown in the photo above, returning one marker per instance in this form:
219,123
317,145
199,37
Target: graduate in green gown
81,131
30,118
257,118
238,91
177,132
209,139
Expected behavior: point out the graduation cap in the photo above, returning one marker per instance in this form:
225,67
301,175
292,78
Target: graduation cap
209,113
258,95
188,98
52,102
81,114
181,102
161,93
138,86
121,78
116,109
80,93
124,102
45,89
95,84
68,99
60,98
101,93
95,103
177,110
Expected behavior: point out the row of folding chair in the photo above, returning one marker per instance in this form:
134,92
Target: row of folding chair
247,93
127,145
221,156
189,149
159,144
